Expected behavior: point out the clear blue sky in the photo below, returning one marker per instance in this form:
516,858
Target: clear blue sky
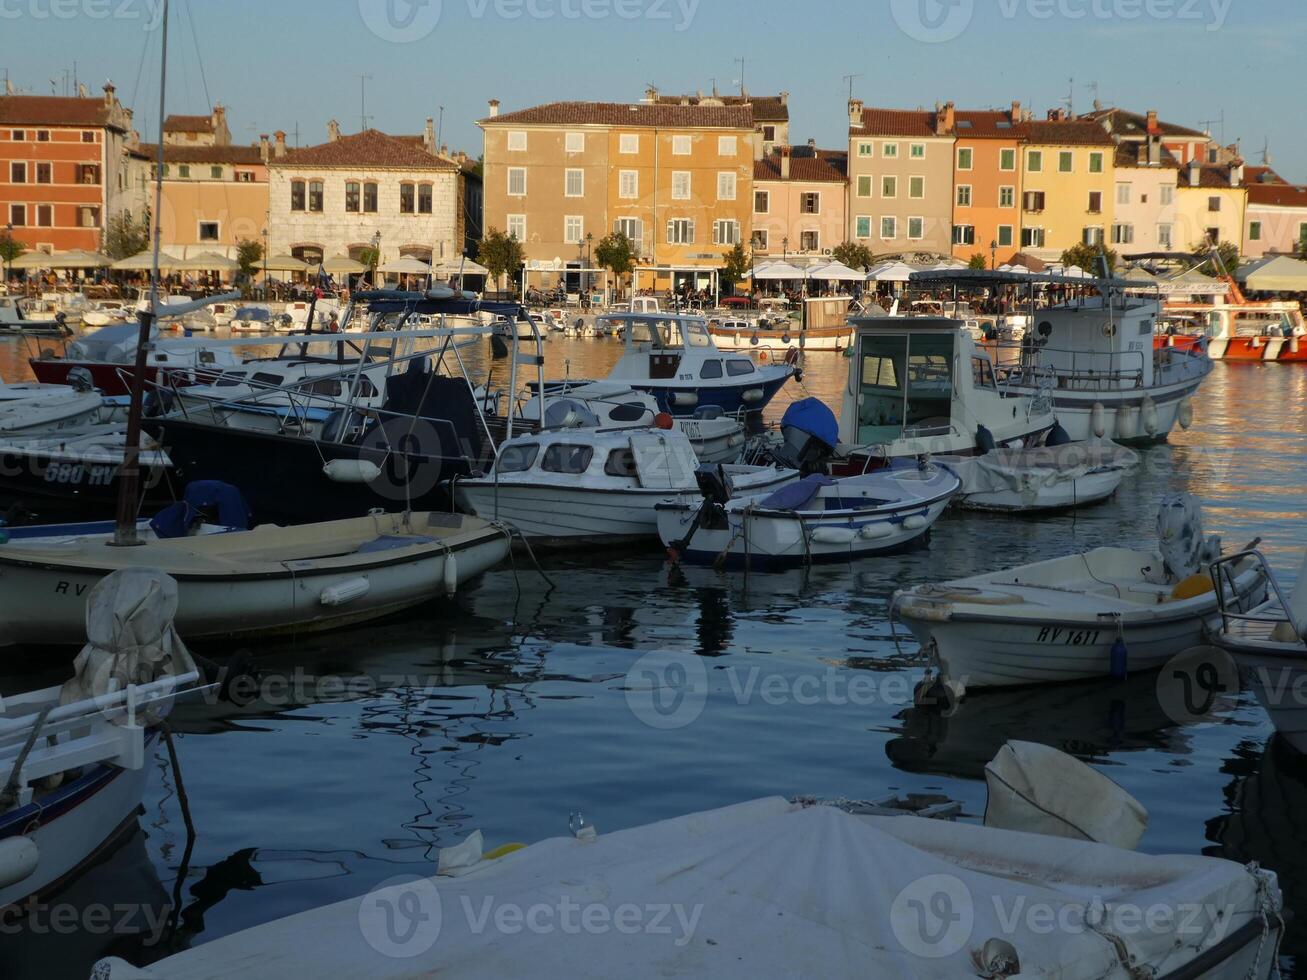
283,63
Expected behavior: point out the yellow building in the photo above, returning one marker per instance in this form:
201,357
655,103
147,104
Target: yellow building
677,179
1211,203
1068,185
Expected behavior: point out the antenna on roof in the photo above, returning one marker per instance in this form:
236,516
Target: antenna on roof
440,124
740,62
363,101
1070,100
851,79
1207,125
1266,152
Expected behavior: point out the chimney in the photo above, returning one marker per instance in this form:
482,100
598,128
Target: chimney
82,91
9,86
855,112
758,146
812,143
946,120
1098,105
1153,126
219,115
1015,114
263,147
785,98
651,95
494,108
785,163
279,146
109,95
333,131
1195,172
429,135
1236,173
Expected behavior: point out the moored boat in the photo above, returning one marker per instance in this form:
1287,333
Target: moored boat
1042,478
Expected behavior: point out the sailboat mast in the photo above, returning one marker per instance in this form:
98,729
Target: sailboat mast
129,478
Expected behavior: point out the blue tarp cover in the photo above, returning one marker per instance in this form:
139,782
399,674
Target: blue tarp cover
813,417
795,496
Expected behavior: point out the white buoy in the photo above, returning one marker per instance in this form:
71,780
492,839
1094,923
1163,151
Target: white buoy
1148,415
19,857
351,471
1185,413
1098,420
1126,422
451,575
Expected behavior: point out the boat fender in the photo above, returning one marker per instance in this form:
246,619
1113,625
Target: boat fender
19,857
1119,658
685,398
834,535
1148,415
1126,423
792,355
1098,420
1057,436
664,421
752,395
984,439
1185,413
351,471
1293,345
914,522
450,575
937,694
347,591
873,532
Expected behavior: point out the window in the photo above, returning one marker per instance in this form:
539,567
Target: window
1213,235
1122,193
769,134
726,186
573,229
809,241
889,151
244,176
761,202
628,184
1007,159
964,234
1032,237
576,142
315,195
726,146
424,198
517,227
208,231
864,185
759,239
18,173
725,232
1066,162
183,170
680,185
1213,203
916,228
917,151
352,194
680,231
562,458
964,195
1093,235
517,141
966,157
215,173
889,187
711,369
628,143
18,215
406,196
917,187
621,462
736,367
43,136
862,226
1035,161
370,198
1168,194
631,228
1007,197
574,183
44,216
888,227
866,149
810,203
982,372
18,136
1164,236
516,458
1123,234
1005,237
297,195
1212,155
1033,201
517,181
88,217
1095,163
1254,231
88,136
1095,202
681,146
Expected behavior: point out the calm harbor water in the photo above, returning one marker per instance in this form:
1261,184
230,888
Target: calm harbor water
509,707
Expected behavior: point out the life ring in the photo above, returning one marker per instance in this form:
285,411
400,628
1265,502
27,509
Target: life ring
792,356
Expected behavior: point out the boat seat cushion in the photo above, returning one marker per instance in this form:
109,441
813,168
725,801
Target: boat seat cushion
389,542
794,496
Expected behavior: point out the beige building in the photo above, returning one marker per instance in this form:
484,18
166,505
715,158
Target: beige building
771,113
1211,201
210,130
900,171
676,179
799,199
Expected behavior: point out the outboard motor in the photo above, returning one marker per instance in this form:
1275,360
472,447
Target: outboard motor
716,490
567,413
1180,537
810,434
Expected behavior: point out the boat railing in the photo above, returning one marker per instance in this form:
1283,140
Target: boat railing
1079,370
1224,572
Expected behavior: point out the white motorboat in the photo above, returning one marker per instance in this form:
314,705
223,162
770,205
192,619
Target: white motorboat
252,319
29,409
772,339
815,519
1107,612
107,312
586,485
1269,646
323,310
76,754
774,887
14,318
716,437
1042,478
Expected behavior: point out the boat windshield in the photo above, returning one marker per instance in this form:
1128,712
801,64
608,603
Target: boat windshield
905,383
696,334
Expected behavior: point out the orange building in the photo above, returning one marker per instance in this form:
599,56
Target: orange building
64,169
987,184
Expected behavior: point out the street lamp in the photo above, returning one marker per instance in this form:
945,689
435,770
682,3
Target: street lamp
265,263
993,255
585,276
376,256
785,249
9,244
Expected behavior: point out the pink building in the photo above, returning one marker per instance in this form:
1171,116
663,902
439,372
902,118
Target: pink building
799,195
1276,220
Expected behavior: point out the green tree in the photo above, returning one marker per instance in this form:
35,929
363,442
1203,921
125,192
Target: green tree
1227,252
124,237
11,248
978,261
249,254
853,254
735,265
616,253
1087,257
500,253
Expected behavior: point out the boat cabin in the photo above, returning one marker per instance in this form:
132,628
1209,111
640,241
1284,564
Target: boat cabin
675,348
645,459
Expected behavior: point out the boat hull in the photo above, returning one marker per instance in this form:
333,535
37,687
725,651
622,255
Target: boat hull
59,484
684,399
1123,411
775,343
108,379
1092,488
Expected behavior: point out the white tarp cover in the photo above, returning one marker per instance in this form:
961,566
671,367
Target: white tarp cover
761,889
664,460
1180,536
1037,789
129,637
1027,471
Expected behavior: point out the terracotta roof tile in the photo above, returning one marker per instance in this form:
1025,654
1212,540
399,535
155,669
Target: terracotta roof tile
1127,155
986,124
806,164
1278,195
766,108
1126,123
1071,132
173,153
630,114
1211,176
370,148
188,124
52,110
895,122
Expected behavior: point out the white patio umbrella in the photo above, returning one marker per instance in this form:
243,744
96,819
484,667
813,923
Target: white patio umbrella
343,265
777,271
835,272
144,262
407,265
207,262
892,272
467,267
32,260
284,263
78,259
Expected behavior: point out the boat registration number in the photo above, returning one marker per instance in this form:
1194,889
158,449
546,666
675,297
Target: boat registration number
1068,637
96,476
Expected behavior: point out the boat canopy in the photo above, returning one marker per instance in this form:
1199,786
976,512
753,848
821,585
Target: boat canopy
813,416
